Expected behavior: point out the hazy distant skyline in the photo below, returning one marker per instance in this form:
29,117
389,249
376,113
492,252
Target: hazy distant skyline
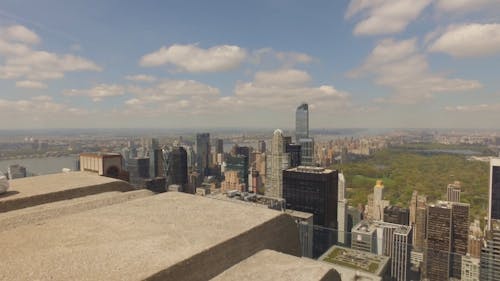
215,64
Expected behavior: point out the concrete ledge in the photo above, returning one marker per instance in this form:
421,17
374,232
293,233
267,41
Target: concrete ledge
38,213
32,191
171,236
269,265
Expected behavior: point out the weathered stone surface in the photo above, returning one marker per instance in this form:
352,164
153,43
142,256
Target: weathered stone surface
171,236
35,214
269,265
32,191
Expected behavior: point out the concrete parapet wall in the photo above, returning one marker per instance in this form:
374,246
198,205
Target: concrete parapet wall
33,191
36,214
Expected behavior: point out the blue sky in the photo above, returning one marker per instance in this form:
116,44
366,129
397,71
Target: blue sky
182,64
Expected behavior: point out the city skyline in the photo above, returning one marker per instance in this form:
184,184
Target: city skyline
375,64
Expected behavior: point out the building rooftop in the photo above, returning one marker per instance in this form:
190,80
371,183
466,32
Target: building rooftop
309,169
369,226
357,260
283,267
170,236
32,191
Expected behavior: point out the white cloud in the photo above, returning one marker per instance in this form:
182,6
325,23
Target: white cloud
98,92
19,33
282,77
384,16
30,84
22,61
191,58
287,91
464,6
286,59
400,66
141,78
469,40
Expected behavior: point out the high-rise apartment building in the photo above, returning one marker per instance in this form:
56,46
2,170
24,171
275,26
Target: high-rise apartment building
278,163
418,221
302,122
453,191
261,146
342,211
494,192
202,154
314,190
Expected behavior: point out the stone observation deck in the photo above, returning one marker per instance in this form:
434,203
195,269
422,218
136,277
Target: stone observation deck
79,226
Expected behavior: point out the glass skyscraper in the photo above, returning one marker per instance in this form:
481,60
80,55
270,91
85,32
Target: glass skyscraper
302,122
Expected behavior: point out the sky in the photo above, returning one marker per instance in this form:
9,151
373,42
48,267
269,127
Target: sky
249,64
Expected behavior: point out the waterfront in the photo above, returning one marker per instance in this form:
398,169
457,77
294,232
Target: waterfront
41,166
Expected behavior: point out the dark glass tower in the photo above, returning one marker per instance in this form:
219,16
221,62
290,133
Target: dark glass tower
494,195
177,166
302,122
202,153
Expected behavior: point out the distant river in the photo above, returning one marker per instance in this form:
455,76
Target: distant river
42,166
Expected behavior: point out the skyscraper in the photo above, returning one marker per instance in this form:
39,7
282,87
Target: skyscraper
447,237
494,193
139,170
293,151
202,153
490,254
219,146
16,171
177,166
302,122
342,211
262,146
279,162
314,190
306,151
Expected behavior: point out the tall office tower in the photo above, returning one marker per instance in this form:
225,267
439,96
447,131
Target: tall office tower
388,239
152,148
460,237
275,182
202,154
261,166
490,253
191,158
219,146
138,169
16,171
342,211
494,195
302,122
177,171
245,152
438,242
314,190
306,151
293,151
396,215
418,220
453,192
261,146
354,216
125,152
447,237
159,169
